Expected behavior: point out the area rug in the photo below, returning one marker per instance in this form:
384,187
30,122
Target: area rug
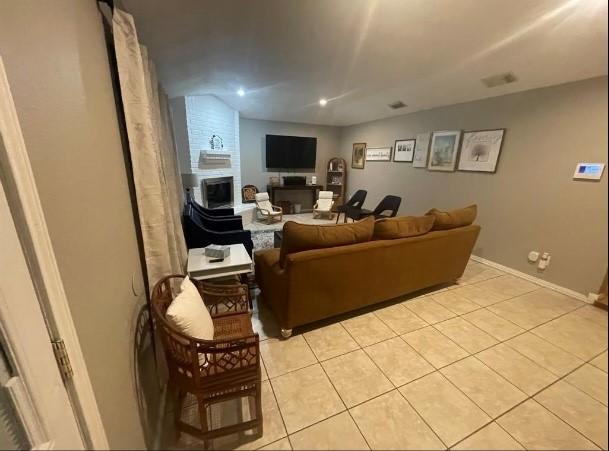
263,239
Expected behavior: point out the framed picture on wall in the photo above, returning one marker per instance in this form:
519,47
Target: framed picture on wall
421,150
358,158
443,151
480,150
404,150
378,154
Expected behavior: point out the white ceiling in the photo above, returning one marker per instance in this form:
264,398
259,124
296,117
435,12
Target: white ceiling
363,54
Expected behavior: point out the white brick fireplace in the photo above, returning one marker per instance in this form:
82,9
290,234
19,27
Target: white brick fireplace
196,119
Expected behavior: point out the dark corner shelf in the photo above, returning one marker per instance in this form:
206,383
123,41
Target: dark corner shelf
340,175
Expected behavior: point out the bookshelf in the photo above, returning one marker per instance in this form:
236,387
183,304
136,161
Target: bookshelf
336,180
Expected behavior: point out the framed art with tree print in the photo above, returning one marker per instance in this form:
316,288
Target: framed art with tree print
480,150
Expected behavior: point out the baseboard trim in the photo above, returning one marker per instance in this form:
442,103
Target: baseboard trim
537,280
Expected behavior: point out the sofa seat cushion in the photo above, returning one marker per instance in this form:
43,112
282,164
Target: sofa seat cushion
445,220
188,313
402,227
304,237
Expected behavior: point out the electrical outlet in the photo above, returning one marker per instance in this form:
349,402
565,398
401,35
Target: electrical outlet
544,261
533,256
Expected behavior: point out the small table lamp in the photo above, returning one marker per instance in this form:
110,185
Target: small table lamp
189,181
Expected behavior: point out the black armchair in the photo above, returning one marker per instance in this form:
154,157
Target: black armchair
217,223
197,235
389,204
353,205
214,212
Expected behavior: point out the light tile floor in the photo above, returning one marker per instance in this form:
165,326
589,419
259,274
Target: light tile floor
493,362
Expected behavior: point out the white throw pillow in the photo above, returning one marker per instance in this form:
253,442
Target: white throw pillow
188,313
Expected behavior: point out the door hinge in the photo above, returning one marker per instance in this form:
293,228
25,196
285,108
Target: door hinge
63,360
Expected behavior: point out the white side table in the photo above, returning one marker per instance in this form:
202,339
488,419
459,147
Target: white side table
199,266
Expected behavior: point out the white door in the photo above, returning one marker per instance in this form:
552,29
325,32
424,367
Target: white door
35,403
37,409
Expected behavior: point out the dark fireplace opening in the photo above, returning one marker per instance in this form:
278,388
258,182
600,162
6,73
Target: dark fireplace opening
217,192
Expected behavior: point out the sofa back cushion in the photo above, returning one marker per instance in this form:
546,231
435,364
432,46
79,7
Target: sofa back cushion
445,220
402,227
304,237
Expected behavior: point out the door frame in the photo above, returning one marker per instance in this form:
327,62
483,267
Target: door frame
33,382
22,195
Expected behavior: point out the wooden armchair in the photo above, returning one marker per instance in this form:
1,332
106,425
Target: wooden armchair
323,206
268,211
213,371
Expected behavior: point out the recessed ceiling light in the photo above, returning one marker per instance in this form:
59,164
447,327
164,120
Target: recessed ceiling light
323,102
240,92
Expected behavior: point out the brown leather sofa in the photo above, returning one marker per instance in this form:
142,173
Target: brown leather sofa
310,285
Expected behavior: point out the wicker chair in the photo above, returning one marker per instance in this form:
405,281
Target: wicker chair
214,371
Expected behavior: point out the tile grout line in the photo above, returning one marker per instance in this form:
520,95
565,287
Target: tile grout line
278,406
339,323
470,354
508,433
525,330
421,417
529,397
397,389
432,325
563,379
503,342
560,378
338,393
511,383
288,434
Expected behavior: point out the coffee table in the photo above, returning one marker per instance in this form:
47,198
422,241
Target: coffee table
199,266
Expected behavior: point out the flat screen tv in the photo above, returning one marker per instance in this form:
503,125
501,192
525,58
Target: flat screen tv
290,152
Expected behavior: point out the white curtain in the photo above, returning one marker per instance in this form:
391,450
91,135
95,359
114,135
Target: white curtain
155,172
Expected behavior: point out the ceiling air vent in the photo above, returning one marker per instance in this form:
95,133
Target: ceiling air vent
397,105
500,79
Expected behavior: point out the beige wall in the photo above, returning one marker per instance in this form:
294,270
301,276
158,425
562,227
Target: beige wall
531,203
57,65
253,153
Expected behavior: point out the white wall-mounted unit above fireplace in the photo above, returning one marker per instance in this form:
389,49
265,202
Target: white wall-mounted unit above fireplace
214,160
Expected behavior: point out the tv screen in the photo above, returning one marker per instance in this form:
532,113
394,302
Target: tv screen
290,152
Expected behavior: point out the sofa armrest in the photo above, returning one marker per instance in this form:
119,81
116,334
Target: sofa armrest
273,283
